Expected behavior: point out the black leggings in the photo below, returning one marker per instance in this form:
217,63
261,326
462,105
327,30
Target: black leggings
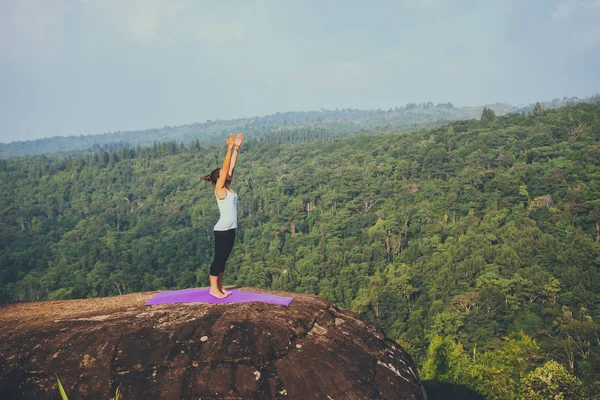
223,245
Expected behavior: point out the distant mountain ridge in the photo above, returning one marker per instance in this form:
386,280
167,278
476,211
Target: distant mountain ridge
337,122
557,103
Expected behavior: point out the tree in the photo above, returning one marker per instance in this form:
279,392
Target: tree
369,296
497,372
551,381
487,115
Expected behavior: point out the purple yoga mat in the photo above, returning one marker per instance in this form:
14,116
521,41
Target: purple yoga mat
203,296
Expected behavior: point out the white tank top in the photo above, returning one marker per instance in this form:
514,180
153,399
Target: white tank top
228,211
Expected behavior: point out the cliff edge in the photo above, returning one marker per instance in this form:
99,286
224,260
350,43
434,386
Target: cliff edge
308,350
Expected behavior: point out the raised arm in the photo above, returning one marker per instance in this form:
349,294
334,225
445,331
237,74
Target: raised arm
226,162
236,150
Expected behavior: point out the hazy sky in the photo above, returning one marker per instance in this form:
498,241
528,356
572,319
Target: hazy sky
81,67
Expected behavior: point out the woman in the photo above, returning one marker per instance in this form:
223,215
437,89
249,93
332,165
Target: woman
225,227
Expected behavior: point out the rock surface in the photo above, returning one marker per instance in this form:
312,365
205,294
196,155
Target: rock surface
309,350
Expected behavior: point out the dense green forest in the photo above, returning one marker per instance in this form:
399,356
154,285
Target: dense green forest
475,244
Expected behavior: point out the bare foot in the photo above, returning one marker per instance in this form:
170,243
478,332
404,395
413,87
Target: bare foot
217,294
226,292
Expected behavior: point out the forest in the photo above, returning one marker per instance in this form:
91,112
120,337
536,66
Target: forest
475,244
336,122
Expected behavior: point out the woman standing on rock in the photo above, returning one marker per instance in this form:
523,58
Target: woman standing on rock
225,227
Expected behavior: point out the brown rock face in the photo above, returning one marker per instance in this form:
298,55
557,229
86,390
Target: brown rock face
309,350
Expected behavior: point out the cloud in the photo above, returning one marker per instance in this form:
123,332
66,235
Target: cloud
223,33
424,4
577,20
565,27
29,28
568,8
434,5
142,22
588,40
148,17
348,74
564,9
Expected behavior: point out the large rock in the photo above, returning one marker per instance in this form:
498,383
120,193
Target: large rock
309,350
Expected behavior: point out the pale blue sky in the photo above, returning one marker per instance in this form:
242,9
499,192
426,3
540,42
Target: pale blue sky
70,67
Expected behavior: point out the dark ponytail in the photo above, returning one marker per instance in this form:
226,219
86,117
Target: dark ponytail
213,176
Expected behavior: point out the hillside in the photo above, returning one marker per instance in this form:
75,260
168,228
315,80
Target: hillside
325,123
558,103
475,244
